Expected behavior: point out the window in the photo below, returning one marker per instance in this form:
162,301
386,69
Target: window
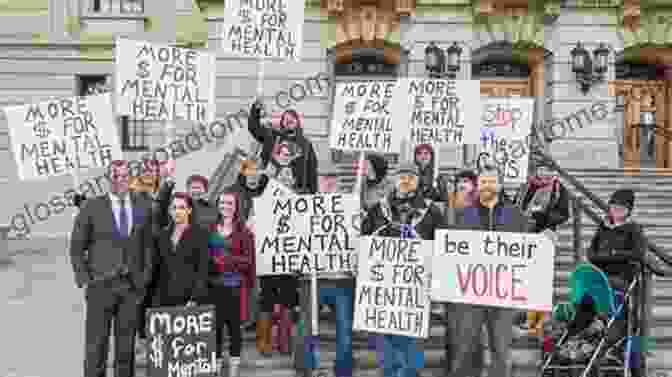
117,6
133,132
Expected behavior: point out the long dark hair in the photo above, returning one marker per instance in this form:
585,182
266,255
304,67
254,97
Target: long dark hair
237,225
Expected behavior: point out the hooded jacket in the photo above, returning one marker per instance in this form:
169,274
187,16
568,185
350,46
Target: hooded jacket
431,187
546,203
384,220
304,167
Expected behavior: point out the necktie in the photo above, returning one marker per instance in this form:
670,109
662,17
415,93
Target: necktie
123,218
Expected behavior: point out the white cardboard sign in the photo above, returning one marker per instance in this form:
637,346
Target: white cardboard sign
159,82
362,118
392,294
264,29
502,269
63,136
504,136
305,233
438,112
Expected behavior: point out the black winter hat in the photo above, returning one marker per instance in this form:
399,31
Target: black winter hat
466,174
624,197
379,165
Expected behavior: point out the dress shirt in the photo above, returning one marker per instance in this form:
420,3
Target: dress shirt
116,207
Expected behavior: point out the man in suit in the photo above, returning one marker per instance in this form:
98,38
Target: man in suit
110,250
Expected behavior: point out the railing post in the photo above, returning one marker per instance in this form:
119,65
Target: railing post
577,212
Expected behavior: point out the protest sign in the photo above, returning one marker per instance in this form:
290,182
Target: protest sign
392,294
305,233
512,270
63,136
160,82
504,136
438,112
264,29
362,118
181,341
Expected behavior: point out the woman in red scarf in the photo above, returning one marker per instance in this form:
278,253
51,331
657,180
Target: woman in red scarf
231,249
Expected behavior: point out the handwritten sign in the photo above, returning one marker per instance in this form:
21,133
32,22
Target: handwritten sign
306,233
438,112
504,141
63,136
362,118
182,341
512,270
392,294
264,29
160,82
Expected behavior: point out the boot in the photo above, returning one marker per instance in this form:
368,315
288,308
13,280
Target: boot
285,326
234,366
264,339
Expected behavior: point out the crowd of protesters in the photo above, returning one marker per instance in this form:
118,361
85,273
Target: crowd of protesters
170,248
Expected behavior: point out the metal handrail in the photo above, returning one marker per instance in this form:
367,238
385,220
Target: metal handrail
549,162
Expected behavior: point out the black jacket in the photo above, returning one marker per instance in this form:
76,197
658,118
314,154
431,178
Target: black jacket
247,195
383,220
555,206
181,271
203,214
614,249
303,167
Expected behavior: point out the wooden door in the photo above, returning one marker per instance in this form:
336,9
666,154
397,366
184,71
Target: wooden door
642,148
506,88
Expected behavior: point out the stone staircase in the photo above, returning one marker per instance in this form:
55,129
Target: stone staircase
653,209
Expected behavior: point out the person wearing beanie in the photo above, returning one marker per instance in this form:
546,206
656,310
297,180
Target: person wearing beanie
403,213
618,242
430,185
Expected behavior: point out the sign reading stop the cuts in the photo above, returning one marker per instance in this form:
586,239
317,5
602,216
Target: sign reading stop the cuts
512,270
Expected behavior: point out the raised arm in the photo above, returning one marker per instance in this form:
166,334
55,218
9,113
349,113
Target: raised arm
80,240
259,132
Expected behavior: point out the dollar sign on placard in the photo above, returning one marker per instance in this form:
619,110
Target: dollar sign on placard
283,227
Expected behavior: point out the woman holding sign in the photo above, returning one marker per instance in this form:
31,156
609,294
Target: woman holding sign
231,249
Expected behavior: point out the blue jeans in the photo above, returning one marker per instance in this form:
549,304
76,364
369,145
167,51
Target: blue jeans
342,299
400,356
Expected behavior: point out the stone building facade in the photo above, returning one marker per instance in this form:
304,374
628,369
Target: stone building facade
56,48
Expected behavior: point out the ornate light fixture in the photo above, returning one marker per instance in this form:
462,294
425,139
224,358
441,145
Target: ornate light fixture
440,64
588,71
647,123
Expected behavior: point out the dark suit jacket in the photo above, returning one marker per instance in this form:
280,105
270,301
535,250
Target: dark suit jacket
182,271
97,250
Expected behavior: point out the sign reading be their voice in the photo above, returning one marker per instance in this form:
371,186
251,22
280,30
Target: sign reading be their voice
392,295
63,136
512,270
305,233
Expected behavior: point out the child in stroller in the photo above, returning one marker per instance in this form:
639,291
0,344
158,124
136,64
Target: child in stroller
615,251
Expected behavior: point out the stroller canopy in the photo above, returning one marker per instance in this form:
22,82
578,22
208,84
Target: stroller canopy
587,279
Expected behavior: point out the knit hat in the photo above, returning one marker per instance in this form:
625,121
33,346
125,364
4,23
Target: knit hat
406,168
466,174
379,166
624,197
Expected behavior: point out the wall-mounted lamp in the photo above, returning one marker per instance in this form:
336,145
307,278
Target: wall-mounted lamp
587,71
440,64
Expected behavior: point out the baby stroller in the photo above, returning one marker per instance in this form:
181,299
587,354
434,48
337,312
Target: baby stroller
589,344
